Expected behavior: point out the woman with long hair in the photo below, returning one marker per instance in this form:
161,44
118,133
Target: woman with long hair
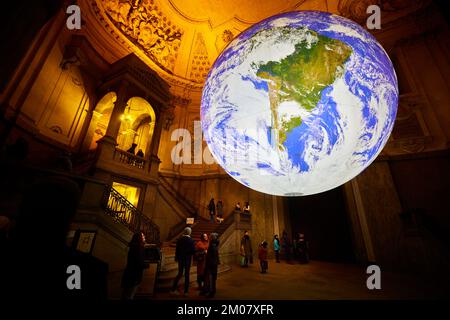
134,270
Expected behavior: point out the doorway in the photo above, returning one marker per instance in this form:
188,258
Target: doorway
324,220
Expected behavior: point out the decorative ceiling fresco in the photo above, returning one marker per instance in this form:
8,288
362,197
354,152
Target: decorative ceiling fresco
148,28
180,39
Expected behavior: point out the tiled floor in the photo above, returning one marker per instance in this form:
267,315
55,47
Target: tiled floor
317,280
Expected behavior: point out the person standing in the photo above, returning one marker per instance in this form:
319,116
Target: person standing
247,207
220,211
295,248
140,153
262,255
212,209
201,248
246,249
184,251
286,244
303,247
211,266
276,248
134,270
132,149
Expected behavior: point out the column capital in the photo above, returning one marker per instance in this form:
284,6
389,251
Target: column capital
167,116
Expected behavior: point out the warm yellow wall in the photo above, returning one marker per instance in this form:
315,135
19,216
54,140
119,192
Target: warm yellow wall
130,193
57,103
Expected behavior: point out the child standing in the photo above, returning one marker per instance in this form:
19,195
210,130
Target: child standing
262,255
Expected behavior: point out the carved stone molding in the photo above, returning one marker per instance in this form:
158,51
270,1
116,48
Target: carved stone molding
169,118
147,27
79,52
179,101
133,70
200,61
356,10
410,133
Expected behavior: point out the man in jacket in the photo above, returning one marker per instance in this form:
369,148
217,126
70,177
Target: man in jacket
183,255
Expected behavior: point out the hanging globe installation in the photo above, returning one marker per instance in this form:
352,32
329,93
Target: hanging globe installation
299,103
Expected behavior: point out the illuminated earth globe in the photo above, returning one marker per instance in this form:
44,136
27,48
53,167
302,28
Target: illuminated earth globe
299,103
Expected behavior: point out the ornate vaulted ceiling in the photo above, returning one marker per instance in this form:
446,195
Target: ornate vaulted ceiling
180,39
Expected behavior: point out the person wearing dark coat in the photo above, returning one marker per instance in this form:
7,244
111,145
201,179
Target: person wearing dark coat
246,249
183,255
219,211
134,270
212,209
140,153
303,247
211,266
286,245
132,149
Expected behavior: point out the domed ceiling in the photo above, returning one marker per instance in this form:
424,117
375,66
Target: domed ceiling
180,39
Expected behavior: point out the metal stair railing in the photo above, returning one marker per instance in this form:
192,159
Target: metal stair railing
125,213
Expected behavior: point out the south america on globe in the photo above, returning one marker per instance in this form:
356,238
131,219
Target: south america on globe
299,103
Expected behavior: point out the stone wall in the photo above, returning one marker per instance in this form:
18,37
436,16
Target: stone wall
383,233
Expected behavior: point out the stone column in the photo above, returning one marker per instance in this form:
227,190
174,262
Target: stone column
108,143
119,108
154,161
362,219
148,148
92,117
378,212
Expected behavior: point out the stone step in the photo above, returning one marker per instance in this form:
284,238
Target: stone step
170,275
169,265
165,283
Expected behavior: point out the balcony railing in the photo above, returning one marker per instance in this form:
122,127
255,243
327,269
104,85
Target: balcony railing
129,158
125,213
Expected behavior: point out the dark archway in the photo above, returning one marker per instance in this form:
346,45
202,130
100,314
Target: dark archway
324,221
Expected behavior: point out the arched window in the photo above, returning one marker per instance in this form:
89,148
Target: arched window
100,118
137,126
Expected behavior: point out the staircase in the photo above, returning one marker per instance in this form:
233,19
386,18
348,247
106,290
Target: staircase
169,268
167,190
181,206
198,228
125,213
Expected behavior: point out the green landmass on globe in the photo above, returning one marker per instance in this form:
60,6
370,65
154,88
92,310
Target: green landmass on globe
302,76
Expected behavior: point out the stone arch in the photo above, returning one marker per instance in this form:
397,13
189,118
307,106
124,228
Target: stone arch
138,124
100,118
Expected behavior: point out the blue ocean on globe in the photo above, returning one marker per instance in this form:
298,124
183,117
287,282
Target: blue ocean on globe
299,103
